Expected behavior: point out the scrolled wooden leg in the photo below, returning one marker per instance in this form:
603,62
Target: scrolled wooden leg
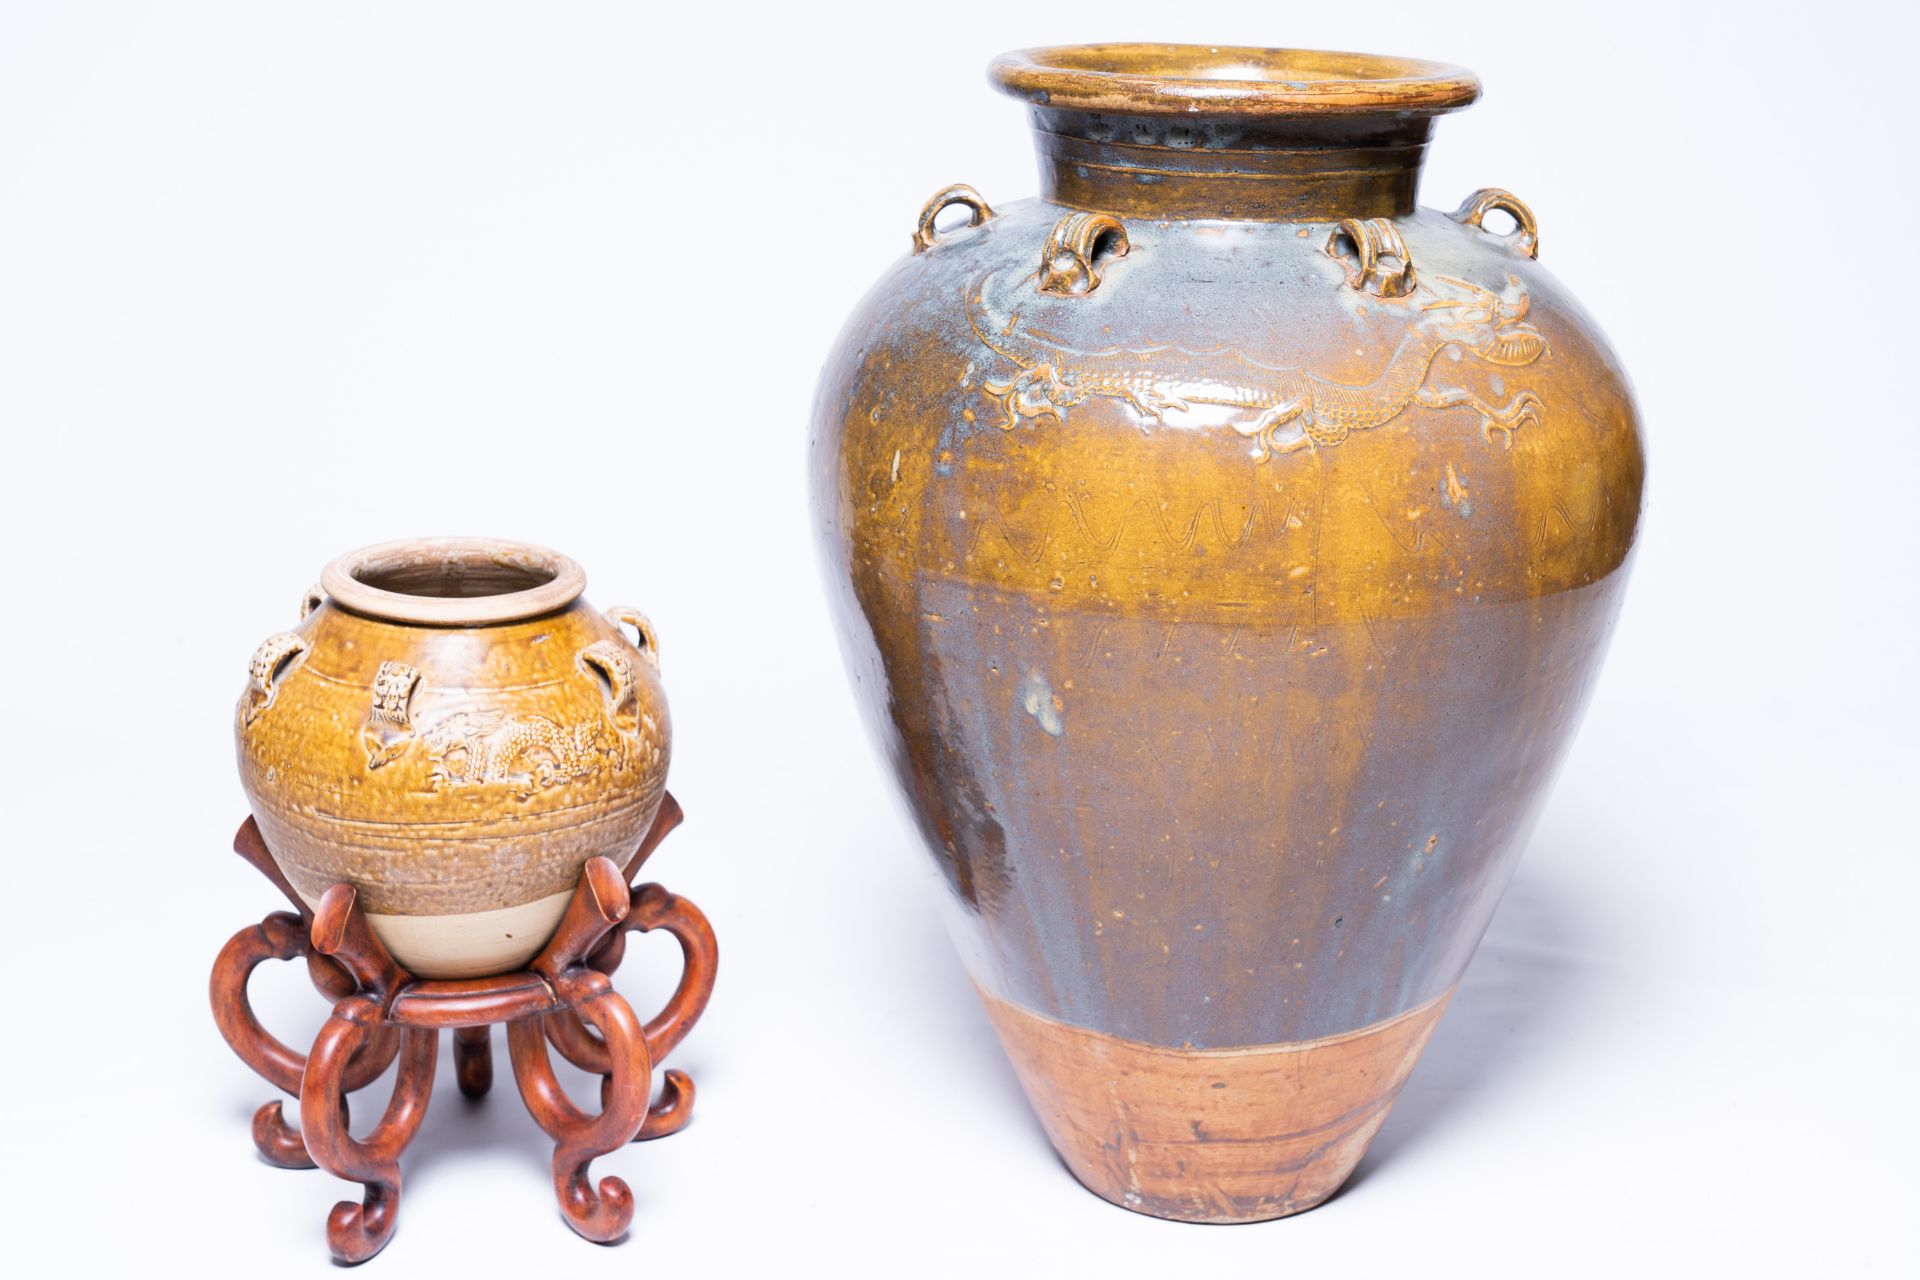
606,957
371,1062
281,936
612,950
577,1043
355,1232
332,981
278,1142
278,937
473,1060
674,1110
655,908
604,1213
652,907
585,1050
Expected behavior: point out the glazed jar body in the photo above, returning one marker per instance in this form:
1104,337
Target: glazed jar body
1224,592
457,775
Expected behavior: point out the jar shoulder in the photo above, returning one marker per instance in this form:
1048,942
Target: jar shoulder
340,680
1041,380
1268,296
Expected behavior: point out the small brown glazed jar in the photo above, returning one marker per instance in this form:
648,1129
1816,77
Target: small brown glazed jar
454,732
1223,546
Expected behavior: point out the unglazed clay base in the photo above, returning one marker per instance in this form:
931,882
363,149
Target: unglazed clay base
1211,1135
475,944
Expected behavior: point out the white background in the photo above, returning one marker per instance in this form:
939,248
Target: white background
278,280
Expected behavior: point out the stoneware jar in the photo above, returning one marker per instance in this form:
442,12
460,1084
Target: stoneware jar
1223,547
453,731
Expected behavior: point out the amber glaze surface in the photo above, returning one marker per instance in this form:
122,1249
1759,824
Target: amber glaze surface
1223,547
452,731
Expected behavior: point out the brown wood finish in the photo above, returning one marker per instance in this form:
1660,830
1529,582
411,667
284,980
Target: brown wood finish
600,1213
473,1060
653,907
281,935
355,1232
1211,1135
382,1012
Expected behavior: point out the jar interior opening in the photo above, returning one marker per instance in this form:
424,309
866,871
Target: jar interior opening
454,578
453,581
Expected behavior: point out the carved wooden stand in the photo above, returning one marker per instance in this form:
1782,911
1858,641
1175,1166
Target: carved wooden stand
381,1012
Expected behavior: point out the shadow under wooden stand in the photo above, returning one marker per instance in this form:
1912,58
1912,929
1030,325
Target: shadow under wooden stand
382,1013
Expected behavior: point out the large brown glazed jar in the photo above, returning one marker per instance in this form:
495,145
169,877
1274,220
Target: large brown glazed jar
1223,548
455,733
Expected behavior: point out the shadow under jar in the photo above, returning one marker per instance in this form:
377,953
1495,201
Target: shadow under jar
454,732
1223,547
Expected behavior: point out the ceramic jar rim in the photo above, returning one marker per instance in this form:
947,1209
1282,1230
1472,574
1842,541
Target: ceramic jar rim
1186,79
551,581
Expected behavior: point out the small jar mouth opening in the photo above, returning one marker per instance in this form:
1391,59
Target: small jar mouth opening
453,581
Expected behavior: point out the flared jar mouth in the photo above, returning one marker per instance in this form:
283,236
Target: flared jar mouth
1164,79
453,582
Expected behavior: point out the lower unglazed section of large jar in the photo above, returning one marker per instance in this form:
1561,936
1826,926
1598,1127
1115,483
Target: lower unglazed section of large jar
1245,1134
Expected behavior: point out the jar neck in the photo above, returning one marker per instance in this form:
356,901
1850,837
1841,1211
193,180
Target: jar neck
1202,165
